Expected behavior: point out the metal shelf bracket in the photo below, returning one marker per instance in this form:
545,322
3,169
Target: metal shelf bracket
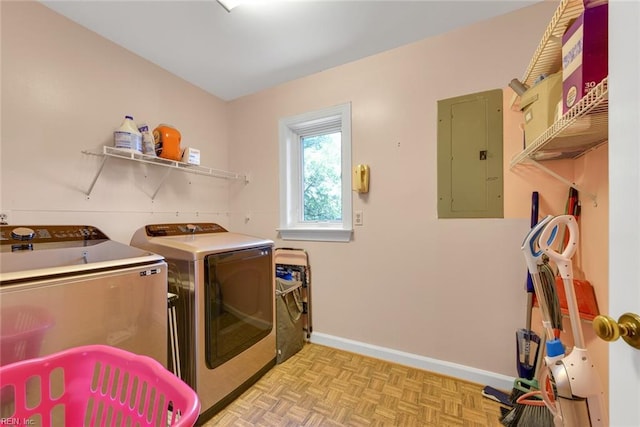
565,181
164,178
95,178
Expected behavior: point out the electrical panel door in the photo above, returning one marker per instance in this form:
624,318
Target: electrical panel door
470,167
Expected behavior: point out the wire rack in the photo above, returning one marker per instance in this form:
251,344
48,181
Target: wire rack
583,127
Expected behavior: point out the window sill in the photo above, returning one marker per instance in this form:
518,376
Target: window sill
316,234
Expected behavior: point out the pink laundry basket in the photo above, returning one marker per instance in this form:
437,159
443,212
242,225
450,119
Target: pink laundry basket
96,385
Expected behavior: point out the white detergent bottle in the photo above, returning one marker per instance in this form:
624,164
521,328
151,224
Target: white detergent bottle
128,136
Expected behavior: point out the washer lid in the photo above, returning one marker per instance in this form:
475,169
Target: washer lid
37,252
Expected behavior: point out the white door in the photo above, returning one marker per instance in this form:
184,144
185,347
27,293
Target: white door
624,199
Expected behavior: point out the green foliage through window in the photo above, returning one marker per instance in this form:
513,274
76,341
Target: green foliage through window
322,183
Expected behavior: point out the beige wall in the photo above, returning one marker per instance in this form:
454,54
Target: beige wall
445,289
451,291
65,90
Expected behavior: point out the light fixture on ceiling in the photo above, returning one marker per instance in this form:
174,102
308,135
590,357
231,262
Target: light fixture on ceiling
229,4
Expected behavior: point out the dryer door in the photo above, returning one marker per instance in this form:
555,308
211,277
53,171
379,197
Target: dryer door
239,299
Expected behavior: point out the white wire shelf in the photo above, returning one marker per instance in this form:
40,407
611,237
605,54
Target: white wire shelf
547,59
582,128
170,165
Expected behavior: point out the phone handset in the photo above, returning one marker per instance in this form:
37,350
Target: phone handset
360,181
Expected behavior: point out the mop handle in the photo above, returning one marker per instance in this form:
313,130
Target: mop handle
565,267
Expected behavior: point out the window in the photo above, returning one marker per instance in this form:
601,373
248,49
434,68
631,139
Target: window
315,175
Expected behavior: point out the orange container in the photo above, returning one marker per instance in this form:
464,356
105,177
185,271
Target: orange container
167,140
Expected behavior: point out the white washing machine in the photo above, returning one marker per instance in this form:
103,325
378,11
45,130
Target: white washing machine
225,284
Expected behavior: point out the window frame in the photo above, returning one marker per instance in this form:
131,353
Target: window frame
291,130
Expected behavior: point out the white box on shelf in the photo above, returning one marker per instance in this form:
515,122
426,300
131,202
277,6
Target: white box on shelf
191,155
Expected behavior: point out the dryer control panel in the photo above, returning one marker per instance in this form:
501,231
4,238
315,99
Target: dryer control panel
179,229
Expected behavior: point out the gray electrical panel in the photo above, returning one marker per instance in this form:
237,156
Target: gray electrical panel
470,164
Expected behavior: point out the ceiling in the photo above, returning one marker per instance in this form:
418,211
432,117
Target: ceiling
265,43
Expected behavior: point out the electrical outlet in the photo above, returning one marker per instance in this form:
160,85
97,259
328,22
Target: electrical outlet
4,218
358,218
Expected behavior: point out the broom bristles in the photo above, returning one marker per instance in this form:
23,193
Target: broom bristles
536,416
520,387
523,415
511,418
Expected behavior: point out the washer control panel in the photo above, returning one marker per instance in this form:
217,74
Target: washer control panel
180,229
12,234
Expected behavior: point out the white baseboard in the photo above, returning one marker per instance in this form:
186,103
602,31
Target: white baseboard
479,376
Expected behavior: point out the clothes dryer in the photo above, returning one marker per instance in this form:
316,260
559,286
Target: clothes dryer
225,284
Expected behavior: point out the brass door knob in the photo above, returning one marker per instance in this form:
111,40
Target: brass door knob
627,327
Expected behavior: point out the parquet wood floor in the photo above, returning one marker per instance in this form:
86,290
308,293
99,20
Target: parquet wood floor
324,387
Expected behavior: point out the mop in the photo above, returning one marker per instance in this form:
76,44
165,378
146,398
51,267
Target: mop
579,393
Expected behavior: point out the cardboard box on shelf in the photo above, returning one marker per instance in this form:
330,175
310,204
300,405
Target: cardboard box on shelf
584,53
539,104
191,155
